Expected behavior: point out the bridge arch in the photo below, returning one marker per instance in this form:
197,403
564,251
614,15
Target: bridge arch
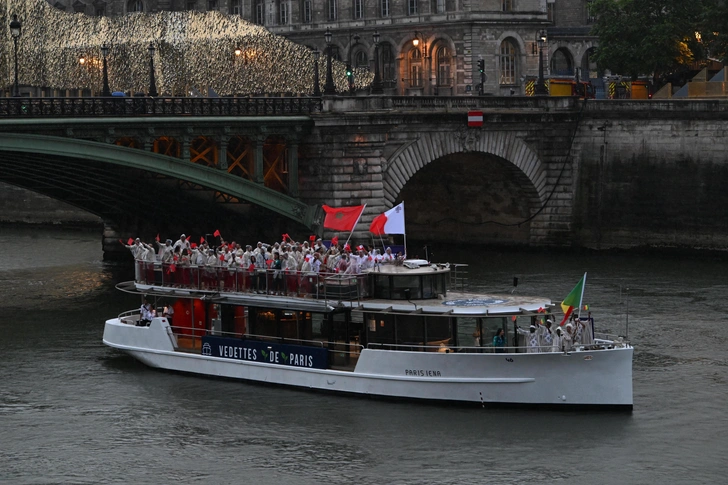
478,150
18,149
431,146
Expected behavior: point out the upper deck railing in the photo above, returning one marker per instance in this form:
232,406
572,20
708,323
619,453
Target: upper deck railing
160,106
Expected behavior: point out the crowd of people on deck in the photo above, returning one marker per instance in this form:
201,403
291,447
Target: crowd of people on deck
541,338
279,267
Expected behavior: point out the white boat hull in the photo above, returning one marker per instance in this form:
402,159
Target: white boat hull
579,378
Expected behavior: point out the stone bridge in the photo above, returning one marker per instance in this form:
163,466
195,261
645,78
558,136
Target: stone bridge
539,172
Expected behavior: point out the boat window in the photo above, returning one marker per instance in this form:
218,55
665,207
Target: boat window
491,325
383,328
381,286
401,283
429,289
263,322
318,328
438,331
410,330
468,335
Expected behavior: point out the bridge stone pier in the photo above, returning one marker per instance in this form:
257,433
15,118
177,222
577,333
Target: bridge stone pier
509,181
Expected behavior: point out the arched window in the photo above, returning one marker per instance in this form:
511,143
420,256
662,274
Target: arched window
561,63
260,12
332,9
360,59
135,6
589,66
508,57
386,56
335,53
443,66
415,68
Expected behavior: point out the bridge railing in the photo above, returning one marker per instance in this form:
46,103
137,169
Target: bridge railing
161,106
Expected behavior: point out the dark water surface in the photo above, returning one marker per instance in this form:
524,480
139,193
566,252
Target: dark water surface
74,411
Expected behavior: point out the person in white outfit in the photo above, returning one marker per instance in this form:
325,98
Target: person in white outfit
557,346
531,339
546,337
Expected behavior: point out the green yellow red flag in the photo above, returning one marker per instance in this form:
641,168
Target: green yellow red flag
573,299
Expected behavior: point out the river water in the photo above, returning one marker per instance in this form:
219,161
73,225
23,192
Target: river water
74,411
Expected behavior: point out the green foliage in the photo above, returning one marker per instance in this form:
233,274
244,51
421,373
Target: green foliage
641,37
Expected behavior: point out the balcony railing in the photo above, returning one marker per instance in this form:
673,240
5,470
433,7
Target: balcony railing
164,106
326,286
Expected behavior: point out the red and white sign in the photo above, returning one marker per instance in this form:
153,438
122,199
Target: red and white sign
475,118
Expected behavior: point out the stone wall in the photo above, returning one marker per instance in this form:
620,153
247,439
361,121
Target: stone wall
652,174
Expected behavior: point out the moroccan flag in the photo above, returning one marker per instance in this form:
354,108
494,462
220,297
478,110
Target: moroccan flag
342,218
157,238
391,222
130,241
202,239
188,238
216,233
573,299
334,240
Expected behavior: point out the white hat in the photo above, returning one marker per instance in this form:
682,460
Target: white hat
568,324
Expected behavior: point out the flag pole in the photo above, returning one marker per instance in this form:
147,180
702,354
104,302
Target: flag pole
357,222
581,298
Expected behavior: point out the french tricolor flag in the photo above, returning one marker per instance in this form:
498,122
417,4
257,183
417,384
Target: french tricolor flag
391,222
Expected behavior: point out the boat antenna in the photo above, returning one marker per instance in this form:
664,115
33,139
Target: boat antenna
626,330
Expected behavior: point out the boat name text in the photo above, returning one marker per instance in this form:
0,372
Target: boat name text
422,373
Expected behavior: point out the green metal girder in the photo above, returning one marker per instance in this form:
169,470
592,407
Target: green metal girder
211,178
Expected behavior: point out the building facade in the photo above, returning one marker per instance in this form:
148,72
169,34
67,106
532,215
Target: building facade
426,47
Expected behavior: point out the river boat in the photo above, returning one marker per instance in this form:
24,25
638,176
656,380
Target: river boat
406,330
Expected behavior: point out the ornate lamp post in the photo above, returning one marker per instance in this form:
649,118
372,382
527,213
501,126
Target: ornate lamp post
329,87
377,84
540,88
316,87
152,81
105,91
15,31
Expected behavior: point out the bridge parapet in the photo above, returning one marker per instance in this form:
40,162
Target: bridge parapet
162,106
448,103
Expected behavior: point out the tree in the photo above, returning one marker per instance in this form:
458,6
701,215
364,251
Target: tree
642,37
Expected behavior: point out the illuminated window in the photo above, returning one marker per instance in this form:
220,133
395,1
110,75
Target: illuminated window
415,61
508,62
443,66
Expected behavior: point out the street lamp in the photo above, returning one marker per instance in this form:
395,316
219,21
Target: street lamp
105,91
329,87
15,31
152,81
377,84
316,87
540,88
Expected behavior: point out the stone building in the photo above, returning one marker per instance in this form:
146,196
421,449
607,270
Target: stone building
427,47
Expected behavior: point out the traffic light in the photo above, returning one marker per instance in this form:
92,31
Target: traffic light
481,66
350,76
